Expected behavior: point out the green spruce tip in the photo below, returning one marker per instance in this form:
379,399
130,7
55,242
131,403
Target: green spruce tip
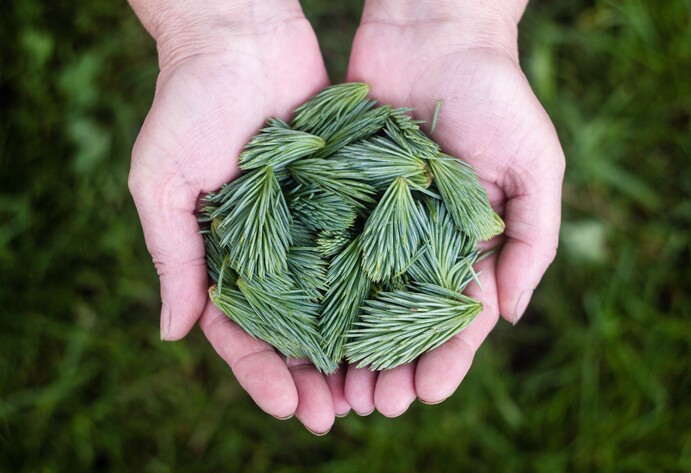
324,114
392,233
332,242
348,287
329,193
278,145
341,178
318,209
465,198
307,269
256,228
447,255
397,327
379,161
281,315
403,130
215,255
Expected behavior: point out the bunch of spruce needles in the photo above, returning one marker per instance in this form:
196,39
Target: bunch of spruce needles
349,235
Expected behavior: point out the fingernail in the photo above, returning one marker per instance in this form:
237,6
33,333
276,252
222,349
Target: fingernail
364,414
165,321
318,434
284,418
431,403
521,305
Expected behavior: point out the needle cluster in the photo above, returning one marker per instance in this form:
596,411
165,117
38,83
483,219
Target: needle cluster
349,235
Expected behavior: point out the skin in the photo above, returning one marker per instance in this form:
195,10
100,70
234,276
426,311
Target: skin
465,54
218,83
227,66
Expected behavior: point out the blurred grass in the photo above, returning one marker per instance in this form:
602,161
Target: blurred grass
595,378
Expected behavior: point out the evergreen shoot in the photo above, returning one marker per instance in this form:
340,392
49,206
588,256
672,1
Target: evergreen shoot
349,235
465,198
397,327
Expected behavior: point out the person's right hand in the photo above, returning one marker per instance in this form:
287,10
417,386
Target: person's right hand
225,68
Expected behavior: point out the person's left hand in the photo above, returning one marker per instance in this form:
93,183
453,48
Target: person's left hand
412,54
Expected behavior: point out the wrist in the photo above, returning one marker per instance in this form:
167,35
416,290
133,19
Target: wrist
467,23
186,28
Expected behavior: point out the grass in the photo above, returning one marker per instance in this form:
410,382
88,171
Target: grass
595,378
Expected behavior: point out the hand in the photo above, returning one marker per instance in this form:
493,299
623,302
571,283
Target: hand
413,54
223,73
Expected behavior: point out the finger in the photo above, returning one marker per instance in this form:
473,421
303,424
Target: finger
315,407
336,383
395,390
166,210
258,368
532,217
359,389
440,371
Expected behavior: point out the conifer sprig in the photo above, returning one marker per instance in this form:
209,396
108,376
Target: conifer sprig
292,316
392,232
380,160
348,287
341,178
326,112
308,269
399,326
447,256
256,229
318,209
278,145
465,198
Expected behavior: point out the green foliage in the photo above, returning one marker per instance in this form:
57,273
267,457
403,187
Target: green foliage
331,184
448,254
465,198
330,193
348,287
397,327
255,224
392,233
278,145
380,160
308,269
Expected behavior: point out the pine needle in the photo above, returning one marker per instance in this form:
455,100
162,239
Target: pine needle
399,326
326,112
308,269
392,232
448,255
465,198
348,288
331,243
318,209
380,161
405,131
292,316
342,178
277,145
215,255
256,229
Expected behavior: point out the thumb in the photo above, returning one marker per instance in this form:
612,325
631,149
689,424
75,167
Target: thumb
532,217
166,207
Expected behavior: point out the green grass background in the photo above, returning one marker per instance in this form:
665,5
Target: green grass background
595,378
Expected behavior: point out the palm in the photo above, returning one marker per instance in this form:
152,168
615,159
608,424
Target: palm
205,109
490,118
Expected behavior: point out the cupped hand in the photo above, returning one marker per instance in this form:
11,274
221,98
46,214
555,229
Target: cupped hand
219,82
490,118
